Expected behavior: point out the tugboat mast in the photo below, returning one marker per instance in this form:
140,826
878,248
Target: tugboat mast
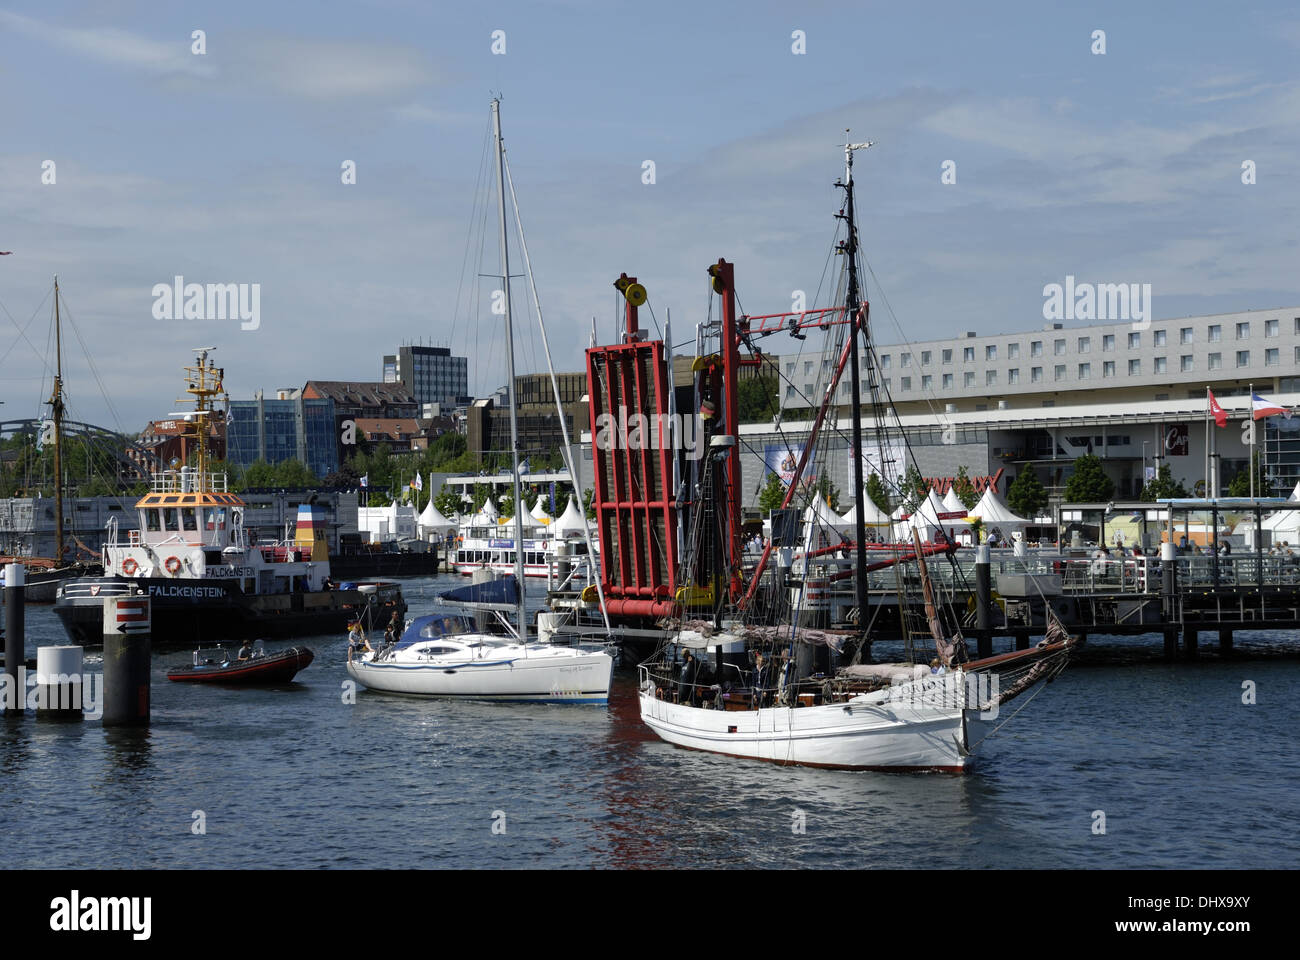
203,383
852,306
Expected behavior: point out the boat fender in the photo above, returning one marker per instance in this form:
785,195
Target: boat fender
129,566
173,565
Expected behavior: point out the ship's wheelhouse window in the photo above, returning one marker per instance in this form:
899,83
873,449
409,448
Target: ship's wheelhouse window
151,521
169,519
216,518
188,518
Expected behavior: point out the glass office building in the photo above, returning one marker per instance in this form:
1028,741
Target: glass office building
275,430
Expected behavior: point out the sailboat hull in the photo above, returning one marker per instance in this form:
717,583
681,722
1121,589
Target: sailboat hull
889,731
541,678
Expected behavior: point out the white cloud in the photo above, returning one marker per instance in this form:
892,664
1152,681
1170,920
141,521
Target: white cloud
116,47
328,69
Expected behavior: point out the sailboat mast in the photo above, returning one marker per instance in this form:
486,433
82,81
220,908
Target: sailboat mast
56,413
510,372
853,306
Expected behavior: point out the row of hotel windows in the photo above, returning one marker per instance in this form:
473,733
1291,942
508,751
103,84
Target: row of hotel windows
1186,364
1160,338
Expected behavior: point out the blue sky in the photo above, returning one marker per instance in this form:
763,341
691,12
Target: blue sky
225,168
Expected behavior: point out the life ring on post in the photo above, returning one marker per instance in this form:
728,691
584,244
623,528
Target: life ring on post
173,565
129,566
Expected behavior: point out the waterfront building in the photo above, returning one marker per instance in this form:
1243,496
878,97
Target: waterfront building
539,426
27,523
290,426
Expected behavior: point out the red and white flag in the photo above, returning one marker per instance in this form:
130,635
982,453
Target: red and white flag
1216,411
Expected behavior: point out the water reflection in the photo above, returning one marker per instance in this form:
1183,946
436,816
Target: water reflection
129,753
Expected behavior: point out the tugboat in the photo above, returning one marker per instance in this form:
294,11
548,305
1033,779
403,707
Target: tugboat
206,576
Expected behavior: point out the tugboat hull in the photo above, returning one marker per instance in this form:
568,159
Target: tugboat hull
190,612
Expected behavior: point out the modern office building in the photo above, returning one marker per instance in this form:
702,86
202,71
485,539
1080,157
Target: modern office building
288,427
432,375
539,429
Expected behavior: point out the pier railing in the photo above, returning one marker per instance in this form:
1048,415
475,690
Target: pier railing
1087,575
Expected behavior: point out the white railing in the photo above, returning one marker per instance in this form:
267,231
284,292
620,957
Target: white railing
187,481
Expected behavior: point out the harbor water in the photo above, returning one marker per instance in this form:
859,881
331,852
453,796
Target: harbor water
1125,761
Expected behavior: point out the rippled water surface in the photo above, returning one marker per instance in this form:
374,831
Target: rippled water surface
1185,774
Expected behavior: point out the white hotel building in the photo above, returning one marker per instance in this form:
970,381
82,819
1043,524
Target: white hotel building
1037,400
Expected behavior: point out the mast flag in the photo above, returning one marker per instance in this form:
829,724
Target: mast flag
1266,408
1216,411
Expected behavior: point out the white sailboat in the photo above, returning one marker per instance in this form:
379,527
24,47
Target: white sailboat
444,655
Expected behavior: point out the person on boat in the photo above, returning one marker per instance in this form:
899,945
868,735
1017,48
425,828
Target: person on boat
358,642
759,682
246,651
686,686
394,629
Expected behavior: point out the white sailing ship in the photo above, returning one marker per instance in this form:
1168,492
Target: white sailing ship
799,709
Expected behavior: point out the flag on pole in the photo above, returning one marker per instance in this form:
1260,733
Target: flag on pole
1266,408
365,481
523,466
1216,411
419,482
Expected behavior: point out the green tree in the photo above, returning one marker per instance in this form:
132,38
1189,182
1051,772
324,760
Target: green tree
1239,486
1027,496
448,501
294,473
345,477
772,494
827,491
914,488
756,399
878,494
1163,486
1088,483
965,489
587,496
481,495
976,525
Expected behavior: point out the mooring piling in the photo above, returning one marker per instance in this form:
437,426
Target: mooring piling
15,698
127,627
